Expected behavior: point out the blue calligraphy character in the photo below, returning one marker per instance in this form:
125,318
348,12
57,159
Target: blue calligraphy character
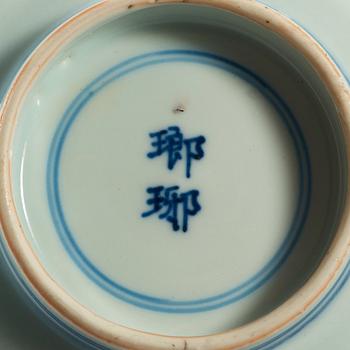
156,201
171,203
191,206
168,141
194,150
175,205
172,142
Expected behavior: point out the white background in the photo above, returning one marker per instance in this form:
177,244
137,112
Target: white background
22,22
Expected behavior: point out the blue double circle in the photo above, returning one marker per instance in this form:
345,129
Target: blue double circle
134,297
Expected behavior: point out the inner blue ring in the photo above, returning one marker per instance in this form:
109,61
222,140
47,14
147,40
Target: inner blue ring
67,236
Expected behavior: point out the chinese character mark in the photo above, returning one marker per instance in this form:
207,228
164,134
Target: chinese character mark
172,142
170,205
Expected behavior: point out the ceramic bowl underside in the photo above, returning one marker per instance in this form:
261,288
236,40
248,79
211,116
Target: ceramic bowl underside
178,169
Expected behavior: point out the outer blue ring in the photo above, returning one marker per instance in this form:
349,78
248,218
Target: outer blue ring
67,237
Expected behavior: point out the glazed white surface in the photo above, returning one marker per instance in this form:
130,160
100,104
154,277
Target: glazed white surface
333,320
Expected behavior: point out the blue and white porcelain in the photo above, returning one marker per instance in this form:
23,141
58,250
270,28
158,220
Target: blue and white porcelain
174,176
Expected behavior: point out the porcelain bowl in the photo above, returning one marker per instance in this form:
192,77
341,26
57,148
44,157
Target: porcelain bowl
174,176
